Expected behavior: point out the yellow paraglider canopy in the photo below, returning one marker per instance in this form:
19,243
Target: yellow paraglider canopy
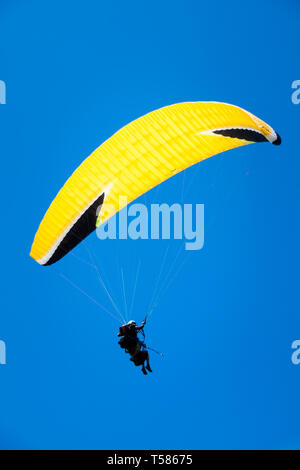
138,157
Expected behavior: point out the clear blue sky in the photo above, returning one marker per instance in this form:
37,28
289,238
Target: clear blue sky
75,73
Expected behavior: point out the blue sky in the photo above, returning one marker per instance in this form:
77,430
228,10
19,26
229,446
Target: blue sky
75,73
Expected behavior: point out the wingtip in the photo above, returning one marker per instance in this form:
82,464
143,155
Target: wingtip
277,141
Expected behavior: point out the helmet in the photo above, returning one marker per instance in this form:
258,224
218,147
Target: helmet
131,323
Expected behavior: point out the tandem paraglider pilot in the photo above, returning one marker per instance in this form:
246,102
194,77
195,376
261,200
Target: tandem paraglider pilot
133,345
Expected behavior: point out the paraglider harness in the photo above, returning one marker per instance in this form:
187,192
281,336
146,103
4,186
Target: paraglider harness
128,339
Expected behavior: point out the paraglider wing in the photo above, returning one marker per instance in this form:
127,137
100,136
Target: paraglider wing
138,157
